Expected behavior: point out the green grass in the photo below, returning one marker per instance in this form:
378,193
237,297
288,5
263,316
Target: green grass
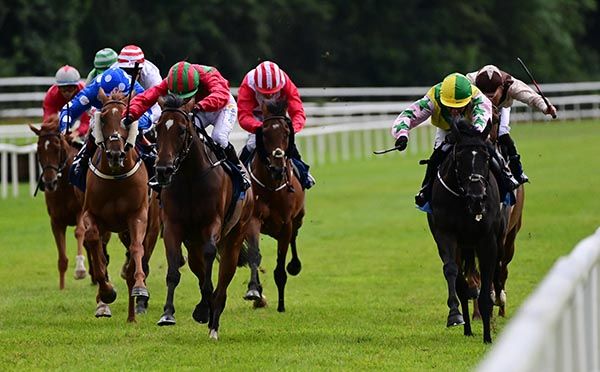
371,294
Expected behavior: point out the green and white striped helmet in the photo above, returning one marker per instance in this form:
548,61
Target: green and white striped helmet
104,59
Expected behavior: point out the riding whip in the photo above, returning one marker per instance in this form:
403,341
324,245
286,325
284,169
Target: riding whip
379,152
133,77
535,84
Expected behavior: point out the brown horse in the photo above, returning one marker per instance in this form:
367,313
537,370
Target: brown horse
63,201
196,198
279,204
117,200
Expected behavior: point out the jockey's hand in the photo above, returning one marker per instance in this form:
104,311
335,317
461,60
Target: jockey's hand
550,110
126,121
401,143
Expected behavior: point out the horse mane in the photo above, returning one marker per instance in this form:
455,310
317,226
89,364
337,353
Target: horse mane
276,107
172,101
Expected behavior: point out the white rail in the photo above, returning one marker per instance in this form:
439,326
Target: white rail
557,328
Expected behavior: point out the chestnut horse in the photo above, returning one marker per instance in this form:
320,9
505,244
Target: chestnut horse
117,200
63,201
279,204
196,197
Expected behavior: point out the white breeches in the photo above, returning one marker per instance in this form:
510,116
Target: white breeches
222,120
504,121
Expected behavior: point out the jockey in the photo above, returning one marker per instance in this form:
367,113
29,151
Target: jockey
268,82
502,89
113,79
104,59
67,85
148,75
455,97
214,104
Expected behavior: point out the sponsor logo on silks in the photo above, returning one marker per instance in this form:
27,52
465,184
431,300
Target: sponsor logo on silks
230,106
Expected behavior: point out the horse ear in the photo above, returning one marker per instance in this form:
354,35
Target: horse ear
190,105
161,102
454,128
34,129
102,96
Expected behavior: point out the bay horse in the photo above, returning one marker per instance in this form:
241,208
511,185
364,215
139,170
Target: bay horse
63,201
279,204
467,223
117,200
199,211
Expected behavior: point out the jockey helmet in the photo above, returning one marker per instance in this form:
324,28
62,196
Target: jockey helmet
183,80
488,79
67,75
456,91
114,78
268,78
104,59
129,55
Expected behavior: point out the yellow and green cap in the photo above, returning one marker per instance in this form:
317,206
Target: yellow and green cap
456,91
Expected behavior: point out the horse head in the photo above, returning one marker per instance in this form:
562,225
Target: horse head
173,137
109,132
52,152
275,138
471,160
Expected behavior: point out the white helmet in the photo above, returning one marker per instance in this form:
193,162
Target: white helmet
67,75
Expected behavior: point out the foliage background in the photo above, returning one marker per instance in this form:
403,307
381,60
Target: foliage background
319,42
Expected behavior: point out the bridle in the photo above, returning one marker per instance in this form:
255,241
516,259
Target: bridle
472,178
62,156
114,136
188,142
278,153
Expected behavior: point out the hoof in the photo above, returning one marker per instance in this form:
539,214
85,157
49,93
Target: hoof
166,320
103,311
455,320
110,297
200,314
213,334
140,292
294,267
252,295
80,274
260,303
281,309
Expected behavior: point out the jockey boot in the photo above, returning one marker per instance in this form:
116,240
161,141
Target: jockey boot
306,179
81,161
424,195
232,157
148,154
246,155
513,157
506,182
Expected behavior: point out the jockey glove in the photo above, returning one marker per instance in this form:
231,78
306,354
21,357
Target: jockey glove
401,143
127,121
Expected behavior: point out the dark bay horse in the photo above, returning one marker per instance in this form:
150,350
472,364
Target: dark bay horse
63,201
199,211
117,200
279,204
466,223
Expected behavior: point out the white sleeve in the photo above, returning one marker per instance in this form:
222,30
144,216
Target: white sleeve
150,75
504,121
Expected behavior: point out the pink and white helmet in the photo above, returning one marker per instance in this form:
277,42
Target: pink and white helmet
129,55
268,78
67,75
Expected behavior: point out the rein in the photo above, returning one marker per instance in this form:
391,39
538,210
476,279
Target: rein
277,153
473,177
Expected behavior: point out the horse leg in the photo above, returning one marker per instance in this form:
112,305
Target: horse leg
125,238
227,267
255,289
446,249
58,230
80,271
137,231
462,289
487,264
152,231
106,292
509,250
294,266
283,242
172,239
201,262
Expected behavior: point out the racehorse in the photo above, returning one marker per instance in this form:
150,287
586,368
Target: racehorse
466,222
117,200
279,204
63,201
198,210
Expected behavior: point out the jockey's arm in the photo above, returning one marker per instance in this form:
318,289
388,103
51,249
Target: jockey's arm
143,101
78,105
412,116
482,111
217,86
295,108
246,103
523,93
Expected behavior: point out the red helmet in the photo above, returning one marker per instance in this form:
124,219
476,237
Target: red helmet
268,78
129,55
